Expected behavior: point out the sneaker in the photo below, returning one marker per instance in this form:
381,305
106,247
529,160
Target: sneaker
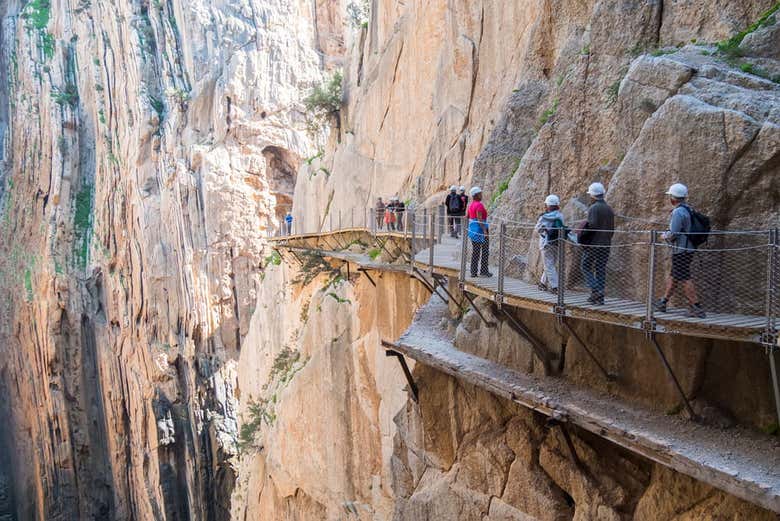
542,286
554,291
660,305
473,275
487,274
596,299
696,311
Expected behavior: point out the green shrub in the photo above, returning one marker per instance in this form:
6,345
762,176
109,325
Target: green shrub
274,259
324,102
374,253
550,112
731,48
67,95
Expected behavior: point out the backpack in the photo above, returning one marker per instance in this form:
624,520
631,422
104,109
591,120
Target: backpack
455,204
555,232
700,227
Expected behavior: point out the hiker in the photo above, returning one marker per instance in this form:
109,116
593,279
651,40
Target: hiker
596,237
400,210
551,229
454,211
478,233
379,213
683,249
288,221
464,198
390,215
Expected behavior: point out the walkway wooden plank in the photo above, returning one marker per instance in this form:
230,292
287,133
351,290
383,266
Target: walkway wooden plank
524,294
738,461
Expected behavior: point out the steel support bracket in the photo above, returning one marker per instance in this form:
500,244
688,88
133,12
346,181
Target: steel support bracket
653,340
407,373
559,311
609,376
369,277
649,327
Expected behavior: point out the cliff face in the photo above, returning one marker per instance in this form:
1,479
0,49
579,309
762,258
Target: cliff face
148,147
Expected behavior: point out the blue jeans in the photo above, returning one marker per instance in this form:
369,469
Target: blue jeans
594,268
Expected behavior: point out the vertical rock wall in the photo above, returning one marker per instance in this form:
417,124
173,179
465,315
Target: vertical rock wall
146,149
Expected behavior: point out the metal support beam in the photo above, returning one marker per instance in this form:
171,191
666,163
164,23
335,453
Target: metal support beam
672,376
431,287
539,349
609,376
775,386
405,368
473,305
443,286
365,272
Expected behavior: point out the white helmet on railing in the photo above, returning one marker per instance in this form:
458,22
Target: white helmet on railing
474,191
596,190
678,191
552,200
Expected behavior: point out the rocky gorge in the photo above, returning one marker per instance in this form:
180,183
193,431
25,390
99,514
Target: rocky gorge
160,360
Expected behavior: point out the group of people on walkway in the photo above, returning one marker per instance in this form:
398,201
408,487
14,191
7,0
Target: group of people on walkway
456,203
594,235
390,215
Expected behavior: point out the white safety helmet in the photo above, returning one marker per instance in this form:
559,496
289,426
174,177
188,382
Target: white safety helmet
596,190
453,188
462,189
678,191
552,200
474,191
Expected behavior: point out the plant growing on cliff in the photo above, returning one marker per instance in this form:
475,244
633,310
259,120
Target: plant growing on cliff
257,414
358,13
323,104
547,114
67,95
731,48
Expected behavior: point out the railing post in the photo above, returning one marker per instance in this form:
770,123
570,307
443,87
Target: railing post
330,221
501,262
650,297
424,231
340,228
431,241
770,335
463,252
561,270
412,246
442,222
352,217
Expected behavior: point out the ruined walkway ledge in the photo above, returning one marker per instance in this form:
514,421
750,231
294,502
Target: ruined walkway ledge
738,461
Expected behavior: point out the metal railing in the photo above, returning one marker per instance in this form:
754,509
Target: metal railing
735,275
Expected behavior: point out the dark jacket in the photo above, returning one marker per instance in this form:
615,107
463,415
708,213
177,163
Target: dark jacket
600,224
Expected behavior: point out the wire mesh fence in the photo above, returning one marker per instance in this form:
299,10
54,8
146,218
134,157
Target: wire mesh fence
732,280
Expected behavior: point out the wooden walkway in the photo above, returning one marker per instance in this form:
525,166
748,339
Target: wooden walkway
522,294
519,293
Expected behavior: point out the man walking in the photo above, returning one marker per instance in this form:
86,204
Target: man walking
478,234
400,209
596,238
379,211
682,253
551,229
453,208
288,222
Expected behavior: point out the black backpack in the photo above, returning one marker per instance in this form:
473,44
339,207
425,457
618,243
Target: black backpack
700,227
455,204
557,230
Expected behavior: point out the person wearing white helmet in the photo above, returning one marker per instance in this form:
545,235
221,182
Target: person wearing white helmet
478,233
683,249
596,238
452,205
551,229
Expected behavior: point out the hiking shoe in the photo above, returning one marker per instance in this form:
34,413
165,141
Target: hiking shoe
554,291
660,305
487,274
596,299
542,287
696,311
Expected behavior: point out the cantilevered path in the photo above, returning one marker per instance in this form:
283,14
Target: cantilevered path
735,460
